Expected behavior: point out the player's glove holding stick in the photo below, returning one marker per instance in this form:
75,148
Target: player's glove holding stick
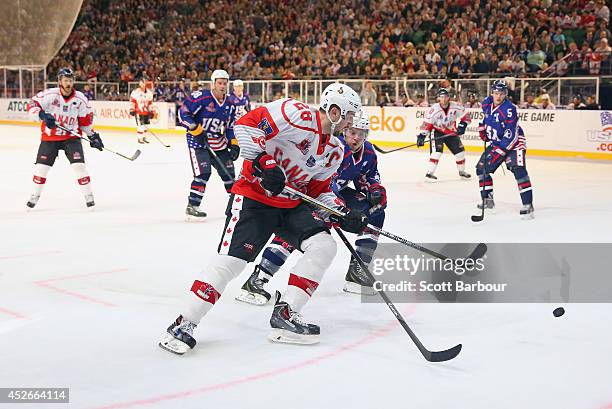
95,141
272,176
354,221
48,119
421,139
234,150
482,132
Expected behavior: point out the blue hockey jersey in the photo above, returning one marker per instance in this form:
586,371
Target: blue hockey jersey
361,169
501,125
243,104
216,118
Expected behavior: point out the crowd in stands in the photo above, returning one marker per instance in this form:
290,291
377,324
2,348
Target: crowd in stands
120,40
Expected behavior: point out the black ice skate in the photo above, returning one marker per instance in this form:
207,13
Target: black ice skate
179,338
289,327
252,292
489,204
527,212
464,175
356,280
429,177
33,200
194,212
89,201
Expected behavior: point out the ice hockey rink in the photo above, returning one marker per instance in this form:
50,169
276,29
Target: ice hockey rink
86,296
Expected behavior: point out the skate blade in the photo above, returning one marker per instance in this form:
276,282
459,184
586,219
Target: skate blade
529,216
428,180
283,336
251,298
354,288
171,344
189,218
464,178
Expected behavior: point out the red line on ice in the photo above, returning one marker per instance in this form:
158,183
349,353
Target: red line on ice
375,334
13,313
45,284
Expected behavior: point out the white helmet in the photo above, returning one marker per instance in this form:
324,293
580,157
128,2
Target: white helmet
238,83
341,95
361,121
219,74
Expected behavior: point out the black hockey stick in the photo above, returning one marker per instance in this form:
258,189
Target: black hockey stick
219,162
431,356
378,149
71,132
158,138
477,253
480,217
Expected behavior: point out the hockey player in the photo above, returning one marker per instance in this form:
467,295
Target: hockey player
69,108
241,100
507,144
142,109
209,117
442,119
284,142
360,167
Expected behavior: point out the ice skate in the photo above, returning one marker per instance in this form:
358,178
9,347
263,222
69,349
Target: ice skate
289,327
464,175
430,178
252,291
179,338
489,203
89,202
356,280
194,213
527,212
32,202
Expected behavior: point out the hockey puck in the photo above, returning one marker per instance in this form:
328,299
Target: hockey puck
559,311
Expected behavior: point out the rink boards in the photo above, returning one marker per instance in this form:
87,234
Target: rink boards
550,133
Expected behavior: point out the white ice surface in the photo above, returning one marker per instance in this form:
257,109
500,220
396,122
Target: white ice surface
85,296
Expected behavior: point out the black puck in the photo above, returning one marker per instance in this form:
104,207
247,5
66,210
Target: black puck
559,311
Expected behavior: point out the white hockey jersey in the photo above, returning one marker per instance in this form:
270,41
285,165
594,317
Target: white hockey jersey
290,131
73,112
445,120
141,101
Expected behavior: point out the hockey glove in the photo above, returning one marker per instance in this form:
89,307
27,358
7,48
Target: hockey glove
272,176
461,128
421,139
482,132
195,129
495,155
377,196
234,150
132,112
354,221
48,119
95,141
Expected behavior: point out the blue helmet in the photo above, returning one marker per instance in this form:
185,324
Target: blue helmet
65,72
499,85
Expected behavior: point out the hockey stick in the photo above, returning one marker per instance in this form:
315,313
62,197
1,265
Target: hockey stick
480,217
431,356
158,139
219,162
73,133
477,253
377,149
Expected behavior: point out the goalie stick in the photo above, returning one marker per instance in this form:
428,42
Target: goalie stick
73,133
431,356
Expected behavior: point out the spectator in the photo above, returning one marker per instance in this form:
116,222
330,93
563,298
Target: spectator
591,103
87,91
546,103
576,103
420,101
368,95
530,102
602,11
536,58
